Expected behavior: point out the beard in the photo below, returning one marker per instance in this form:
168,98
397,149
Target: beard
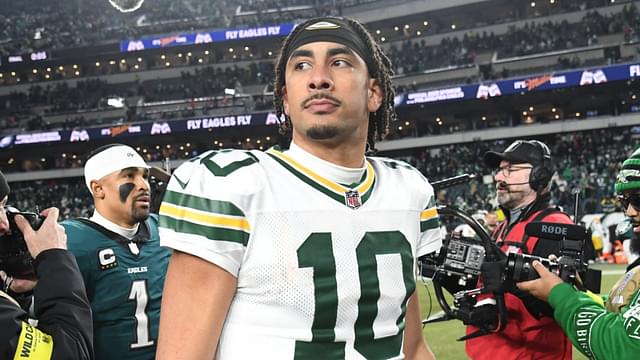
511,199
139,214
323,132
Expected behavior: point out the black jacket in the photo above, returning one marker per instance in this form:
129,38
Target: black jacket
61,308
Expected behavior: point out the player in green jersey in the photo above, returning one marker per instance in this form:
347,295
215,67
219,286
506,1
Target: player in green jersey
119,255
601,330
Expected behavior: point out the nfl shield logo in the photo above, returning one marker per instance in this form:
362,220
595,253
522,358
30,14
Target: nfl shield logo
352,199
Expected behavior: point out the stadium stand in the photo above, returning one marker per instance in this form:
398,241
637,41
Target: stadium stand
437,47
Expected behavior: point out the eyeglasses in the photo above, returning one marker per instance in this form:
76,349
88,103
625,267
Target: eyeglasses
507,170
630,199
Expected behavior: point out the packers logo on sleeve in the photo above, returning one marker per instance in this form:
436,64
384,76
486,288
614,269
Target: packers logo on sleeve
33,344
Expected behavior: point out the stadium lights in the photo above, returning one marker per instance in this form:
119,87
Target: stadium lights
77,73
11,161
139,59
189,54
167,64
453,26
35,71
1,75
200,61
530,108
524,113
43,160
246,48
60,67
157,147
181,148
553,110
75,66
258,141
400,128
64,155
378,32
484,118
383,39
230,50
215,142
137,148
97,63
406,123
144,151
425,23
46,76
112,62
168,146
163,56
270,53
13,73
123,61
557,116
578,114
48,69
268,138
396,28
418,33
633,97
552,2
248,139
533,4
206,52
179,55
188,144
74,156
136,66
406,26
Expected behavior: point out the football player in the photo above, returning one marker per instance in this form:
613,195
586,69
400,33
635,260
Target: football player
119,254
308,252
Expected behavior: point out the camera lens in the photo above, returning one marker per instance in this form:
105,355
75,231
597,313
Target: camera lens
520,268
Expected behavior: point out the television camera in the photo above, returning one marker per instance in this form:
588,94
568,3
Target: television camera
457,268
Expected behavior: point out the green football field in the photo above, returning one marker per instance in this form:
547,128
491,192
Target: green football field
442,336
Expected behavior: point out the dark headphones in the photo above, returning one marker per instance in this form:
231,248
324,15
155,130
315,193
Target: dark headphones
542,172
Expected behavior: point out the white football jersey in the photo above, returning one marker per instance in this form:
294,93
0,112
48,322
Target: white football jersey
324,270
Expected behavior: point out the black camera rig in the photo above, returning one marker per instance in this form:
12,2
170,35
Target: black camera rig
15,259
457,268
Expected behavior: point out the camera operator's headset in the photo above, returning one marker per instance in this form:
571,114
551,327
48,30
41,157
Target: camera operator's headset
541,174
539,179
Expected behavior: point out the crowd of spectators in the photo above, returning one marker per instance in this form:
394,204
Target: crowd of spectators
585,161
415,56
27,26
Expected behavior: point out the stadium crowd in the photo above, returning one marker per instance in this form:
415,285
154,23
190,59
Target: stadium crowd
586,161
19,109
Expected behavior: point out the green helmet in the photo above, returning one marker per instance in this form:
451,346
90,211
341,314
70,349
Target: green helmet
629,176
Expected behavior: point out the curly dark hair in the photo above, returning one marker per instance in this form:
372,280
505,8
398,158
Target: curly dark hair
379,121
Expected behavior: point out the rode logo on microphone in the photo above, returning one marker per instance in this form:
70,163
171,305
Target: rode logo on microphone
556,230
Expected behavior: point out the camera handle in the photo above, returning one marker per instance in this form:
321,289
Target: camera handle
491,254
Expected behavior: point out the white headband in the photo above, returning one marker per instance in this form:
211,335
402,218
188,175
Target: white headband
109,160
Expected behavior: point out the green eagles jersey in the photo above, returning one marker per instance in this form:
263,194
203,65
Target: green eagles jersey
124,282
596,332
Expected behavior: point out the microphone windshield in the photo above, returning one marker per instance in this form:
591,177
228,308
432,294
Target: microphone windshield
554,231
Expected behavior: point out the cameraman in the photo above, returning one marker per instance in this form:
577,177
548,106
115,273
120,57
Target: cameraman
523,173
611,331
64,329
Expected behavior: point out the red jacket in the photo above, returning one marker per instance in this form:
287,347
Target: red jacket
524,337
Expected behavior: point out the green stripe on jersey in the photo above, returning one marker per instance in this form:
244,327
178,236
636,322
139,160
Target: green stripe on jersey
210,232
203,204
430,224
